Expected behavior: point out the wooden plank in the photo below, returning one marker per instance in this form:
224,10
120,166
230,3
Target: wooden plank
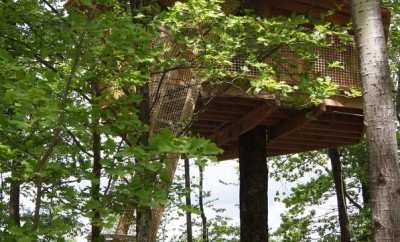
233,91
244,124
333,134
345,109
213,118
290,152
276,151
342,118
322,128
300,136
299,147
345,102
293,124
315,142
220,113
269,122
229,109
329,125
288,7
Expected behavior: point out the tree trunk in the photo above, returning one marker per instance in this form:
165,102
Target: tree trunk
334,156
162,186
379,110
398,92
253,186
365,192
124,222
201,205
96,169
15,187
189,233
143,212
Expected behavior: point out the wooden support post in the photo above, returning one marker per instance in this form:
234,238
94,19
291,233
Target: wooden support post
253,186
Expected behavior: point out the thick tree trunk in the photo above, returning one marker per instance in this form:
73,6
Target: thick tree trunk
253,186
334,156
379,110
189,233
15,187
201,206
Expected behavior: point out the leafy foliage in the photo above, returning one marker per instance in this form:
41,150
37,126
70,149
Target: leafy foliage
71,81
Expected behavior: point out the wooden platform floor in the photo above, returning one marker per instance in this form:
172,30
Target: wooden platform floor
336,122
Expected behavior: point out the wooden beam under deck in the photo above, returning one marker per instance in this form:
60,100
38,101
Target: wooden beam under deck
248,121
293,124
337,121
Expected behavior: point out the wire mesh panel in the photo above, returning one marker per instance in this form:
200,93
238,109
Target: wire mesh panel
173,97
347,74
338,61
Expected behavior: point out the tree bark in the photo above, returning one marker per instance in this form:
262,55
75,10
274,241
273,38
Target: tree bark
398,92
204,229
96,169
144,213
189,233
253,186
162,186
379,111
345,235
15,189
124,222
365,192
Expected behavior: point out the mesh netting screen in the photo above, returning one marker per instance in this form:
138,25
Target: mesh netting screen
289,66
349,74
174,97
175,94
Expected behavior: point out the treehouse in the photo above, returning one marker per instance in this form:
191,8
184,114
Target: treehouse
252,126
224,113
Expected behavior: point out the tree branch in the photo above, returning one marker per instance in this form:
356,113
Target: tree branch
352,201
42,163
76,141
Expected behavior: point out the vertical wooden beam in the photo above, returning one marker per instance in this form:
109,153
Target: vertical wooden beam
253,186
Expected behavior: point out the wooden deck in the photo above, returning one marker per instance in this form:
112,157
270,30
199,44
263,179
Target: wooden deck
336,122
